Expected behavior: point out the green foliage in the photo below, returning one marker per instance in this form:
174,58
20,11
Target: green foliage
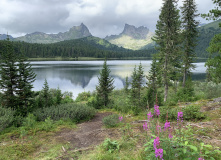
6,117
94,102
75,112
30,121
84,47
208,90
168,42
9,76
111,120
189,35
136,86
127,83
24,87
185,94
105,85
84,96
48,124
110,145
190,113
193,113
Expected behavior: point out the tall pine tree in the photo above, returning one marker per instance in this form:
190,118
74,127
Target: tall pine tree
190,34
105,84
24,85
167,38
9,75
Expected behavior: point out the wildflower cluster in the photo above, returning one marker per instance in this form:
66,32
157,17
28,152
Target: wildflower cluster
156,110
180,117
158,150
149,116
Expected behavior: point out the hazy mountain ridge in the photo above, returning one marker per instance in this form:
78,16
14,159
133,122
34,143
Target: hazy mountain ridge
75,32
4,36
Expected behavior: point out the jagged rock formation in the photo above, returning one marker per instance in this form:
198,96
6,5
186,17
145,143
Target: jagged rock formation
75,32
132,37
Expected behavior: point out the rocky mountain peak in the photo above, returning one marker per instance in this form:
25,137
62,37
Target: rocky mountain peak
137,33
82,29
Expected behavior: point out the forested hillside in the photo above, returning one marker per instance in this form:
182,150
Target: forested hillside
85,47
206,33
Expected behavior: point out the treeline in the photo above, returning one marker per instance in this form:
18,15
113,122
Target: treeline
76,48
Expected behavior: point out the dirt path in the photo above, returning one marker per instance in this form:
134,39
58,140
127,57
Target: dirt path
88,133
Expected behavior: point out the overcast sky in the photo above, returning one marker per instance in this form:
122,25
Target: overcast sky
102,17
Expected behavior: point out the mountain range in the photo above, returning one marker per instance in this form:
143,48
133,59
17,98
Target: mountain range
75,32
133,38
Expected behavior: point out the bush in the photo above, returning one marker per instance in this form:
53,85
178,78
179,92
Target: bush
6,117
208,90
189,113
110,145
29,121
193,113
94,102
84,96
111,120
75,112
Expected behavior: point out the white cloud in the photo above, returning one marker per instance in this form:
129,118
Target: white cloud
103,17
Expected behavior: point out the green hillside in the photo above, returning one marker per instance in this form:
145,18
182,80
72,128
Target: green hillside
84,47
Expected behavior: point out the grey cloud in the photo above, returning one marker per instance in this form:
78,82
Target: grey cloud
103,17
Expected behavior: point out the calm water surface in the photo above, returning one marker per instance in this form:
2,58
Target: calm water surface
79,76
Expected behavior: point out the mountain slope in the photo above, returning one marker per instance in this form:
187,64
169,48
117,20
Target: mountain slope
4,36
132,37
206,33
75,32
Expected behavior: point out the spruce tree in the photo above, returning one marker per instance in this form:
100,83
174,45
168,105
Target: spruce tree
127,83
9,75
136,85
24,85
105,84
152,83
190,34
167,38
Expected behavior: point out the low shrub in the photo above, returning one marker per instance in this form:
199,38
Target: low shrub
94,102
111,120
6,117
110,145
75,112
189,113
84,96
29,121
193,113
208,90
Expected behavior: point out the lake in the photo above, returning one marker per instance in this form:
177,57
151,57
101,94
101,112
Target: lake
79,76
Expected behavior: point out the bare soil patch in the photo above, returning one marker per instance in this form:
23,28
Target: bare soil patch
87,134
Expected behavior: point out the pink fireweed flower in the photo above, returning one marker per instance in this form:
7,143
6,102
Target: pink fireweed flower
149,116
120,119
200,159
156,110
159,153
145,127
180,116
156,143
170,136
166,126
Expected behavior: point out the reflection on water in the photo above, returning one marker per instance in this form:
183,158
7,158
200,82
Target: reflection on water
79,76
